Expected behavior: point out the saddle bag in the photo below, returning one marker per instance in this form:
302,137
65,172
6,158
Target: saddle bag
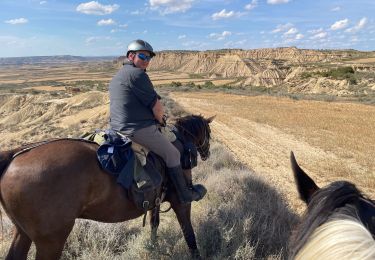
144,190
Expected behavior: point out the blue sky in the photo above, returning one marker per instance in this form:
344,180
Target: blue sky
105,27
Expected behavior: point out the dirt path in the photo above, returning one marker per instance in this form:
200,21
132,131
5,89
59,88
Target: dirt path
264,146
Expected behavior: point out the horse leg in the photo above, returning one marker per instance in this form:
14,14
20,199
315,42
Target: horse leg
154,223
20,245
50,247
183,216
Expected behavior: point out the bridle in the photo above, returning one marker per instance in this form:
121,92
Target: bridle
204,147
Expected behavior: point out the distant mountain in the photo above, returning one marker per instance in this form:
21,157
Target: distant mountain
51,59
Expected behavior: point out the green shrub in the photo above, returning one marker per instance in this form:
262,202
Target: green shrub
306,75
176,84
191,85
340,73
208,84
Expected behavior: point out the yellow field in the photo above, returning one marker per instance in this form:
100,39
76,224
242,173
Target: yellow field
331,141
367,60
68,74
47,88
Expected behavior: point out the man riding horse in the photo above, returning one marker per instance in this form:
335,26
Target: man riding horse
135,111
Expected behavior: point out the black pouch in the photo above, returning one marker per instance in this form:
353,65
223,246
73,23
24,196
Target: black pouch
189,156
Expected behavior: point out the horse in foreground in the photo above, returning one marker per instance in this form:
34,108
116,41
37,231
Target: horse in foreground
44,188
339,222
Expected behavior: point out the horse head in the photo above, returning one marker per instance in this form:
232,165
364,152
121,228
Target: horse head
338,201
197,129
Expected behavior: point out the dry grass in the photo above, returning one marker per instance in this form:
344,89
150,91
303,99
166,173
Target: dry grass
331,140
367,60
47,88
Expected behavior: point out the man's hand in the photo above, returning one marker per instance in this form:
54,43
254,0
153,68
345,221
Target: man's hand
158,111
164,119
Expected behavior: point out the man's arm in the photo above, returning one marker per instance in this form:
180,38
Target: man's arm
158,111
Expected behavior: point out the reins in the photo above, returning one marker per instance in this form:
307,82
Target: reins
203,144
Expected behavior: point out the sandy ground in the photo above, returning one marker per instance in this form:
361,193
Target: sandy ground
264,145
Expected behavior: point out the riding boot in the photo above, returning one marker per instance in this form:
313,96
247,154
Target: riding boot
185,193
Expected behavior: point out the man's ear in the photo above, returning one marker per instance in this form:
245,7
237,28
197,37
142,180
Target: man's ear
131,56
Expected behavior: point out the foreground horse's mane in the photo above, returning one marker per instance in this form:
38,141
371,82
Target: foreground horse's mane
193,124
324,204
343,236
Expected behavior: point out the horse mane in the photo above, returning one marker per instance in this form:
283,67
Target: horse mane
343,237
193,124
339,197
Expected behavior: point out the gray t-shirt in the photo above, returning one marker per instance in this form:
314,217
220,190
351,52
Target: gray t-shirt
132,97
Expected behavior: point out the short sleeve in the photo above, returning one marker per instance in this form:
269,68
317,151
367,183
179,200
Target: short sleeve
143,89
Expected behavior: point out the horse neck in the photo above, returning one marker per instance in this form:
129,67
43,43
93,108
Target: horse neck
321,208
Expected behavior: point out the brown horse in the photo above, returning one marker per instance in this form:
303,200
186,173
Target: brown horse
44,189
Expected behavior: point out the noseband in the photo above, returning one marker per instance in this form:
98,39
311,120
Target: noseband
204,147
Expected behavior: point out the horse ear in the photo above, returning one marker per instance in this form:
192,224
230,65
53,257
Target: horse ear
210,119
305,185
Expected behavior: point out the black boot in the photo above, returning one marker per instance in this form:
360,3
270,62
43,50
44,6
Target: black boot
185,193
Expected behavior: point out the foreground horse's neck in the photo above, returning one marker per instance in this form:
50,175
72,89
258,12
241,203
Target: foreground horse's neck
339,197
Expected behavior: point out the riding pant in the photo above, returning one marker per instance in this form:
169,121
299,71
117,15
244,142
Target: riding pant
151,138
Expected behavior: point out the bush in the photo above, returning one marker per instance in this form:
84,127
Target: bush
208,84
306,75
340,73
176,84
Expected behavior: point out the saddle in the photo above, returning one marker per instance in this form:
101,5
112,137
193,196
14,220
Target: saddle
127,162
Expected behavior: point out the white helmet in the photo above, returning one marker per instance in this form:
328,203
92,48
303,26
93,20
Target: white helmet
140,45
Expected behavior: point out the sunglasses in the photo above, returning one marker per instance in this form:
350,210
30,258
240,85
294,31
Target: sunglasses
144,57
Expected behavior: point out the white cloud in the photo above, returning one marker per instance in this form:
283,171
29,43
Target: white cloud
17,21
10,40
136,12
223,14
180,37
358,26
336,9
237,44
171,6
320,35
282,27
315,31
252,5
220,36
104,22
96,8
299,36
194,45
123,25
94,39
340,25
291,31
42,2
275,2
354,39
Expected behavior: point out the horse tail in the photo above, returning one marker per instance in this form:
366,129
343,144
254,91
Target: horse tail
7,156
5,159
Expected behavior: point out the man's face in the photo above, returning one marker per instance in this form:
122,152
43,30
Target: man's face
141,59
